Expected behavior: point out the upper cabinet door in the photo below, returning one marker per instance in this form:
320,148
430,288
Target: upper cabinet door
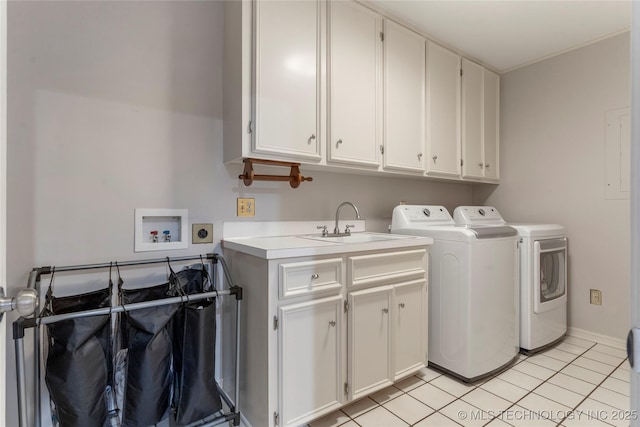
355,95
491,126
443,112
404,98
472,120
287,78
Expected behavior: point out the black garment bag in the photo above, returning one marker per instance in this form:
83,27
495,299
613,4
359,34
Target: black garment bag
196,393
79,363
149,370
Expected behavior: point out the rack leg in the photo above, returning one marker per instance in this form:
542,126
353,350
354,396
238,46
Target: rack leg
21,379
37,413
236,421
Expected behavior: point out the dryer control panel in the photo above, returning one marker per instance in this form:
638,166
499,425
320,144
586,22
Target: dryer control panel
477,215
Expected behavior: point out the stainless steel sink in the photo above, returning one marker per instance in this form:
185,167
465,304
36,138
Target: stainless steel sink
362,237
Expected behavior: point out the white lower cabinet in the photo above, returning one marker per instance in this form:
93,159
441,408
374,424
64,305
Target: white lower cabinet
310,357
369,338
320,331
409,321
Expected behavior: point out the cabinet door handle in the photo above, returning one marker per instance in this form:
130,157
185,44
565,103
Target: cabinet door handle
487,165
311,138
401,305
419,156
481,164
338,142
332,323
385,310
435,158
315,276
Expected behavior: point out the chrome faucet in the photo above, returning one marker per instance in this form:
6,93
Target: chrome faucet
336,230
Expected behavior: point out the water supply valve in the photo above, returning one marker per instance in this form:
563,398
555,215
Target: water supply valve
167,235
154,236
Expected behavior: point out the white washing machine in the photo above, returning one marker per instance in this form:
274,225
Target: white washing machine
473,276
543,278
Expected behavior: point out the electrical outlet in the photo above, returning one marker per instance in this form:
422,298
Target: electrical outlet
201,233
596,296
246,207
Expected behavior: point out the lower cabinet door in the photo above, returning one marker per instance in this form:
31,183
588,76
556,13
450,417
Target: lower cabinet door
368,341
410,327
309,362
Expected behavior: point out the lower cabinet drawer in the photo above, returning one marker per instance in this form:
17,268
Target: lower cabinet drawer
381,268
311,277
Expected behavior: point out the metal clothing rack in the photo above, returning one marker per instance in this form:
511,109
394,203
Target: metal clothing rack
35,321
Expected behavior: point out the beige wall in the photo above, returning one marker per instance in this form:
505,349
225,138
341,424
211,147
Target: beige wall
552,160
118,105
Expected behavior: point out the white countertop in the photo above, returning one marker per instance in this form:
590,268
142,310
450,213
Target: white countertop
274,247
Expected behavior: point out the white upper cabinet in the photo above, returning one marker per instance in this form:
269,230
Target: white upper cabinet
338,85
443,112
404,98
472,123
287,79
480,122
354,80
491,126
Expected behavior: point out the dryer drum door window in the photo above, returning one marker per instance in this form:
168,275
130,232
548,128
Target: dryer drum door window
550,274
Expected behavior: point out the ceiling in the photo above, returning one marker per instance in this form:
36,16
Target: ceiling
509,34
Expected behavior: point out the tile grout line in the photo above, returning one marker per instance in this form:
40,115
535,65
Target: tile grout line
543,382
480,383
592,391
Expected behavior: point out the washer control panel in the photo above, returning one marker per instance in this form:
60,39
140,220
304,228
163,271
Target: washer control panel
405,215
474,215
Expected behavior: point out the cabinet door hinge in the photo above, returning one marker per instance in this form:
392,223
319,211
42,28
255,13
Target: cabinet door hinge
461,162
250,127
276,418
382,149
346,388
346,306
275,323
381,36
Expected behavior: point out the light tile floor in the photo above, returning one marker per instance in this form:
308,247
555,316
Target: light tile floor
576,383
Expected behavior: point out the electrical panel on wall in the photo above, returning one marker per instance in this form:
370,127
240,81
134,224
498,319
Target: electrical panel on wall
160,229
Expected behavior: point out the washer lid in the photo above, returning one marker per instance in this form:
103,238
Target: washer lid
490,232
539,230
451,233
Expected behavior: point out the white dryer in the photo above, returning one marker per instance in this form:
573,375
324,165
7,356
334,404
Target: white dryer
473,277
543,277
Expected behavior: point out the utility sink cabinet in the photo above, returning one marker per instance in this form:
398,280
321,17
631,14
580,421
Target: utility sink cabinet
320,331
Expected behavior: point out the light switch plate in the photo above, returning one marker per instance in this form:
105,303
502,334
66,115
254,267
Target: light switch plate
201,233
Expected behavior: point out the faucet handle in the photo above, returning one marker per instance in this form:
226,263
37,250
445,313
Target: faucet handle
324,229
347,228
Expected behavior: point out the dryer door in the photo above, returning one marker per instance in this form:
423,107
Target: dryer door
550,274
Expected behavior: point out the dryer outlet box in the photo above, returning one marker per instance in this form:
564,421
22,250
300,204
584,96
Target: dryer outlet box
201,233
596,296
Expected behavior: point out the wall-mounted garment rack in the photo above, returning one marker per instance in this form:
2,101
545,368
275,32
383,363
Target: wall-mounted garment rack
35,321
294,178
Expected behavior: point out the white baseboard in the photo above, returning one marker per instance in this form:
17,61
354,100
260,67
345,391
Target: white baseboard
599,338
